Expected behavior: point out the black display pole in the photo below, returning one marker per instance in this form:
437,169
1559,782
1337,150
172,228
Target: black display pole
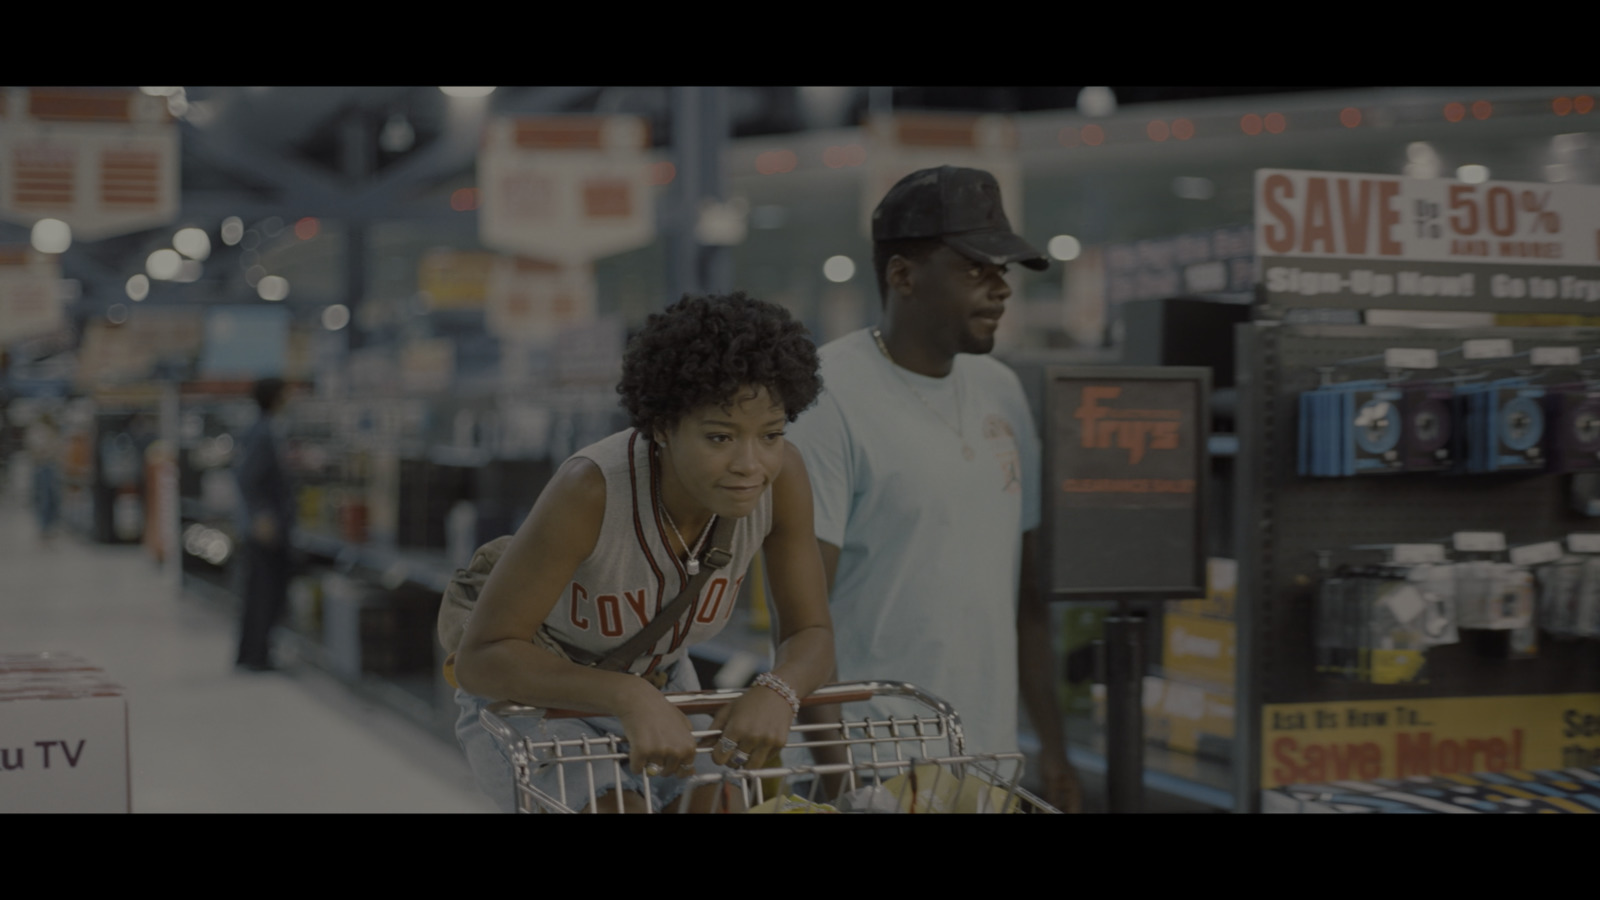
1124,648
1126,462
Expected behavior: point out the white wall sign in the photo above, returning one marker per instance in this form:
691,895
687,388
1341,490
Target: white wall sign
531,301
566,188
105,162
30,294
1332,239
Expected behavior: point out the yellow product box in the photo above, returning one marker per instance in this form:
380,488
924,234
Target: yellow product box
1222,578
1199,648
1183,717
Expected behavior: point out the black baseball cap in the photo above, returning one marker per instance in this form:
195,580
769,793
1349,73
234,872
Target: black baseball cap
960,207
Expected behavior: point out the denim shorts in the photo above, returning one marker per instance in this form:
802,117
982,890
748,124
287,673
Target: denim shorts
491,764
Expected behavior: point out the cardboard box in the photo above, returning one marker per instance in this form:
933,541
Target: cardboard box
1200,649
63,738
1222,578
1183,717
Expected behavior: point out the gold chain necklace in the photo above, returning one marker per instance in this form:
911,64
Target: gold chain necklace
966,448
693,564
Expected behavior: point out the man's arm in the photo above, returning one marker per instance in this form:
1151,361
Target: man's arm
1037,676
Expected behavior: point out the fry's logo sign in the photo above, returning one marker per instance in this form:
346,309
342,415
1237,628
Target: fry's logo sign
1134,430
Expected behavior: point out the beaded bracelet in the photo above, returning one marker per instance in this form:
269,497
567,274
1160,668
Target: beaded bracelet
776,684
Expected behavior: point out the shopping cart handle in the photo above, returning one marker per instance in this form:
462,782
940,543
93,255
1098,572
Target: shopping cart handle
694,703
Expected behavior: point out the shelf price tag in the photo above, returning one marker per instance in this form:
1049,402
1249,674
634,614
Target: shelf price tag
1487,348
1555,356
1583,543
1479,541
1416,554
1536,554
1410,358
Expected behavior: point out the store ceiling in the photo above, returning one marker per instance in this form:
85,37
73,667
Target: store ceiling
287,152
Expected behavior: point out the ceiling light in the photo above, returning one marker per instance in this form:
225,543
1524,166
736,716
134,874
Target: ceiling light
839,269
273,288
1473,174
1097,101
1065,247
51,236
397,135
193,243
138,288
232,230
1190,188
164,265
467,91
336,317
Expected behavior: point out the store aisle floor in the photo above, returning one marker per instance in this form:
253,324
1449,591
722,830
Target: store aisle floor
203,736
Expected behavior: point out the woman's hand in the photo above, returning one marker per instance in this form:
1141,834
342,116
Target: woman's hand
757,724
660,738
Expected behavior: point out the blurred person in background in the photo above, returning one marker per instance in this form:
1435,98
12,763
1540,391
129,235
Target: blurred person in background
925,465
44,449
266,517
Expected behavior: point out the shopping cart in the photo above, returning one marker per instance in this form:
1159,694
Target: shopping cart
914,763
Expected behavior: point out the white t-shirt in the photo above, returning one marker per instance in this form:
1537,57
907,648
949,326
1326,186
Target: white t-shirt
930,542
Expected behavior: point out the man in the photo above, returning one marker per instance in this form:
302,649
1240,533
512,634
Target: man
925,469
266,517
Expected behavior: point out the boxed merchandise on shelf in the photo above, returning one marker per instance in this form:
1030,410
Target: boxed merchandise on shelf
1182,716
1221,588
1199,649
65,737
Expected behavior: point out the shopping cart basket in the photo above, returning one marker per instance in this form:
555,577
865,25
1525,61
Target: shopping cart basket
914,763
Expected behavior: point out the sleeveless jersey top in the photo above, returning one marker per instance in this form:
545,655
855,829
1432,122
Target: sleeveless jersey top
633,574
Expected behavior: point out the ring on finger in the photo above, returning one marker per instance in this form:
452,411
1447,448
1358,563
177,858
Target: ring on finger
739,759
653,769
727,745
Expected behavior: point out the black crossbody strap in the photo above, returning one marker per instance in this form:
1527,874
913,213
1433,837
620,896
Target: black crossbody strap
716,556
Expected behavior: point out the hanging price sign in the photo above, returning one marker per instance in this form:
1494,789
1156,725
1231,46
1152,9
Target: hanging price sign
1339,239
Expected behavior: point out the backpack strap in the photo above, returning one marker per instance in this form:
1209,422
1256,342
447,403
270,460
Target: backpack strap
462,595
715,557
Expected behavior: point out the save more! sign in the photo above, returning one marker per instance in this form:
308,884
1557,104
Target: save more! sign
1125,457
1340,239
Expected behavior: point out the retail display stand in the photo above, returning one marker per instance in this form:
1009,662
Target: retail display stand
1499,696
1123,520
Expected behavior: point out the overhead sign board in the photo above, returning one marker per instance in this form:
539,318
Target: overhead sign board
570,189
30,294
105,161
1125,481
533,302
1341,239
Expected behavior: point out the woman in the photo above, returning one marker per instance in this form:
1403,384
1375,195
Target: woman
709,386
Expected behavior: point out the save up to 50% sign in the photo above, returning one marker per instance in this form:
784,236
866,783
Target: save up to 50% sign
1496,211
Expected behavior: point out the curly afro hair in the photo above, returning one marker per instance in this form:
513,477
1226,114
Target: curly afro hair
702,350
